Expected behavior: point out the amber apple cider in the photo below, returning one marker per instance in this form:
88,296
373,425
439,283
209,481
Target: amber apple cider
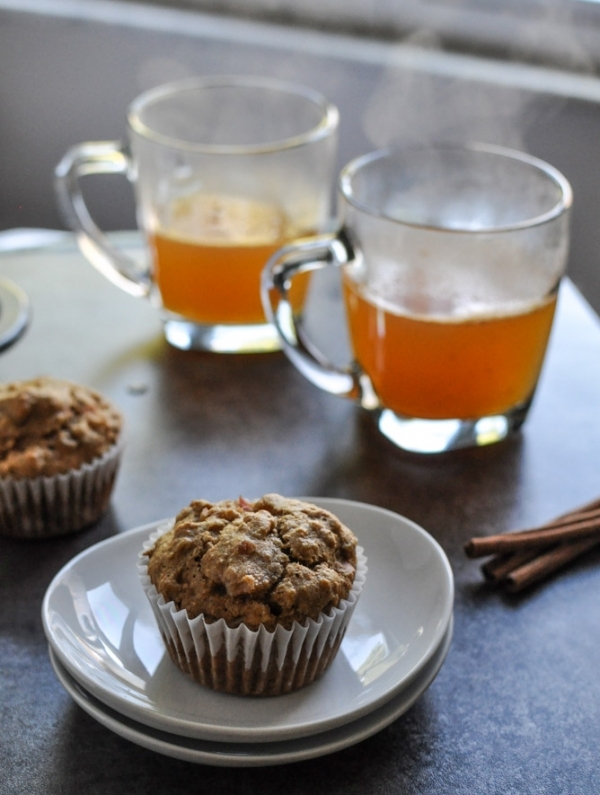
448,368
209,253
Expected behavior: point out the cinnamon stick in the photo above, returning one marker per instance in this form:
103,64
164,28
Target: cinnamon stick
547,563
521,558
496,570
577,526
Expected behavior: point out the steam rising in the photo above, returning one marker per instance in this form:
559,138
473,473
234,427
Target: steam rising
477,99
409,107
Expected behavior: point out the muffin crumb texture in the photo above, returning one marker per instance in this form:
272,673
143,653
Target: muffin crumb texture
49,426
266,563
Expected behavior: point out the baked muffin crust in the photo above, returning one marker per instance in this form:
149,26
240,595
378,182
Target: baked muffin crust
269,562
49,426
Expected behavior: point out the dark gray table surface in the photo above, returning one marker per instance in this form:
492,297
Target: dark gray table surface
516,706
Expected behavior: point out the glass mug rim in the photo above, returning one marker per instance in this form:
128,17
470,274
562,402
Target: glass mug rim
560,207
328,122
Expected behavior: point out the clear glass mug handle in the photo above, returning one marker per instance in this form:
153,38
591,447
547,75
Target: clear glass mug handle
98,157
319,252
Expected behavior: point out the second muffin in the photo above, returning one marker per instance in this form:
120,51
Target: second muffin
60,449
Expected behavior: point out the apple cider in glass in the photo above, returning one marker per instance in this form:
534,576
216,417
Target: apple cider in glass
209,254
438,367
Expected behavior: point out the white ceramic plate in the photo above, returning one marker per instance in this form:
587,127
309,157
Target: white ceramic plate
255,754
101,628
15,313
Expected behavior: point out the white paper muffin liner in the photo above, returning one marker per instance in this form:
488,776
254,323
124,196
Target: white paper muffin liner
250,662
45,507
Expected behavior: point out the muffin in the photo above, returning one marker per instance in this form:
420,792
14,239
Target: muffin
60,447
253,598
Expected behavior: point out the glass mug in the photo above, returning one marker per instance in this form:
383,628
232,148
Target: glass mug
451,260
226,170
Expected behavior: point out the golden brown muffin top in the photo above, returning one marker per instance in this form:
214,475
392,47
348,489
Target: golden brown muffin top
49,426
269,562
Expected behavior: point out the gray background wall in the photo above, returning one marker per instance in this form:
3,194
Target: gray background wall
68,75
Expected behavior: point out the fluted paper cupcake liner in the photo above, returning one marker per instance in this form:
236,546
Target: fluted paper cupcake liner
45,507
250,662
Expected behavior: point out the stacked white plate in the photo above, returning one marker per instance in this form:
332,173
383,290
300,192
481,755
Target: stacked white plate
15,313
107,653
